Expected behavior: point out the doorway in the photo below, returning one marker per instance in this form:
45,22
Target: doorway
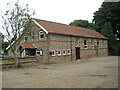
77,53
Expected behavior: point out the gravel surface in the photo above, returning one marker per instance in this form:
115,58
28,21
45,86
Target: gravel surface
97,72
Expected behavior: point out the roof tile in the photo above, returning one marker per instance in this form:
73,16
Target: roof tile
53,27
27,45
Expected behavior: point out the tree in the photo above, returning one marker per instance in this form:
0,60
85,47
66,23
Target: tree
1,40
83,23
107,22
3,44
112,42
108,12
15,21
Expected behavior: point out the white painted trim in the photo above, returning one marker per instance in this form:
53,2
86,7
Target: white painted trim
59,54
68,53
98,43
34,45
54,53
63,52
40,35
40,51
40,26
23,53
86,44
37,52
10,45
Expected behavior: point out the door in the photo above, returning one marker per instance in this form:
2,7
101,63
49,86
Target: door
32,52
77,52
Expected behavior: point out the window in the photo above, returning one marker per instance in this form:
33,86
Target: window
85,44
69,52
39,52
64,52
41,36
92,43
59,52
53,52
25,38
98,44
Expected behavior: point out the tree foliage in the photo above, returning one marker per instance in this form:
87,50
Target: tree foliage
108,13
112,42
83,24
15,23
3,44
107,22
15,19
1,40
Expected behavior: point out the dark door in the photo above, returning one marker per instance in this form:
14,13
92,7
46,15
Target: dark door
77,52
32,52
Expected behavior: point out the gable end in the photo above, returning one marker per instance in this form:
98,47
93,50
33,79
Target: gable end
40,26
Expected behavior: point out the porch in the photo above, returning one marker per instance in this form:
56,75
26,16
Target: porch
27,49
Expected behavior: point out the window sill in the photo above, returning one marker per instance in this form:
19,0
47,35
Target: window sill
68,54
41,39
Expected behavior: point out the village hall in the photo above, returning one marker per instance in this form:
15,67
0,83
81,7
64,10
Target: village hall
51,41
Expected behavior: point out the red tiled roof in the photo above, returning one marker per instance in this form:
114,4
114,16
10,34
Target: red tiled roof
27,45
53,27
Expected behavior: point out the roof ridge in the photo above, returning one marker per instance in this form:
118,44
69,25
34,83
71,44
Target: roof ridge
55,27
51,21
63,24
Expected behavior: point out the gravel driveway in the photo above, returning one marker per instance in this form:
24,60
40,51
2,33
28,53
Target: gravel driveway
99,72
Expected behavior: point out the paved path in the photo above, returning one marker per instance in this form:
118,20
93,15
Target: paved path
99,72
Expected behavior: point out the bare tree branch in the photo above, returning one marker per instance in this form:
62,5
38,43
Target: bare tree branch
15,21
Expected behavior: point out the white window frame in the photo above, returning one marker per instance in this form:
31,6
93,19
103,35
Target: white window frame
41,33
63,52
68,53
59,54
86,44
40,51
98,43
24,38
52,52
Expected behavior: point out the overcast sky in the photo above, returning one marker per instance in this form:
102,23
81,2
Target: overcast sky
62,11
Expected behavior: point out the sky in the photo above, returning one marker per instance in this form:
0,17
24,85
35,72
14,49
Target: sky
61,11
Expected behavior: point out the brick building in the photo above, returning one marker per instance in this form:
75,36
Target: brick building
51,41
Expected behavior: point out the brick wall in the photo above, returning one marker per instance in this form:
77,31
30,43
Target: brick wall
62,42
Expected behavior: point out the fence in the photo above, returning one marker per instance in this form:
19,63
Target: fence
22,60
